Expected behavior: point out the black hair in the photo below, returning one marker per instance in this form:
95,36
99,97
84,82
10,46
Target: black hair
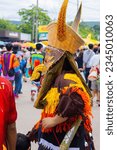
30,49
23,142
95,50
15,49
98,51
90,46
9,46
39,46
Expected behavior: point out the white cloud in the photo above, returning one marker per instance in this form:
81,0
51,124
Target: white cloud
90,11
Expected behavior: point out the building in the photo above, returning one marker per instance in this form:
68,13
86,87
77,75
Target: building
10,36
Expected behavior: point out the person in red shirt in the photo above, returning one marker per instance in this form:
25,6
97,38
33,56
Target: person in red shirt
8,116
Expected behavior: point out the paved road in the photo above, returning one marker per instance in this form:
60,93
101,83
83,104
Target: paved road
28,116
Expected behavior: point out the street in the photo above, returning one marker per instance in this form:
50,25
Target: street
28,116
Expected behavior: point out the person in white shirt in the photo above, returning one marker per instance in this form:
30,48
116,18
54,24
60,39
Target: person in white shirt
86,60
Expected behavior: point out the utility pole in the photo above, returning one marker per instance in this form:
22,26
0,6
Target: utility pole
33,29
36,29
77,4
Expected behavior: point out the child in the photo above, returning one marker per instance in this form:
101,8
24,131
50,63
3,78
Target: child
36,78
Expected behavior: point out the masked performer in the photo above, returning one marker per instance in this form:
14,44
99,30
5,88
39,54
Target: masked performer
64,96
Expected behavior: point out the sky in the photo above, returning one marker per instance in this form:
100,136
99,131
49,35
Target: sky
90,9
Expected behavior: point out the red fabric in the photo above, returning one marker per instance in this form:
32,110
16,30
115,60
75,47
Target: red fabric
30,71
8,112
36,63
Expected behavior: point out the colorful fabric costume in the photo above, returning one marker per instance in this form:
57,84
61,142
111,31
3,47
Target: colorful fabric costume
36,59
9,61
64,91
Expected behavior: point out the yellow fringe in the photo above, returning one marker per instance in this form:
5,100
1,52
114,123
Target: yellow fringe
75,78
87,107
52,99
36,74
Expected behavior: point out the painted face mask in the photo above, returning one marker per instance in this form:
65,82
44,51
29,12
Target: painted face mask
52,56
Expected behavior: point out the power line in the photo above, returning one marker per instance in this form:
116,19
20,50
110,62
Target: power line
54,10
73,3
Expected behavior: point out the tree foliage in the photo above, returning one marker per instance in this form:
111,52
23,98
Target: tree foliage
29,17
85,30
7,25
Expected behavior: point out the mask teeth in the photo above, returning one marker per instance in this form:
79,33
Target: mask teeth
61,27
76,22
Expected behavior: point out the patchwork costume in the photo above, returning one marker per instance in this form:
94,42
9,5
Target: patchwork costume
64,91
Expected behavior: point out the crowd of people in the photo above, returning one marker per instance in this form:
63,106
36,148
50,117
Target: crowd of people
66,77
88,62
16,65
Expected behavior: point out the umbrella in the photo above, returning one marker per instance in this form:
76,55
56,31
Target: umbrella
25,45
17,43
32,45
45,43
28,44
2,43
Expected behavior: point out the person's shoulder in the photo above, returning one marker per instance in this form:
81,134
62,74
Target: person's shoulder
93,53
33,54
12,54
40,54
86,51
5,81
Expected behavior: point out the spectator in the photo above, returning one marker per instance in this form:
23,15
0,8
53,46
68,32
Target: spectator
35,60
95,85
86,60
8,116
9,62
18,76
15,49
26,57
79,61
37,57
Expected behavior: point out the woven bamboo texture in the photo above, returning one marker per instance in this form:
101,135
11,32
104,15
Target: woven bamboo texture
71,43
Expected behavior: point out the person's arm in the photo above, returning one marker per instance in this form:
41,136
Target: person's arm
11,136
1,64
50,122
16,63
11,125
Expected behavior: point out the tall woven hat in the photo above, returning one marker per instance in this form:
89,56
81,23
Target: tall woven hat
61,35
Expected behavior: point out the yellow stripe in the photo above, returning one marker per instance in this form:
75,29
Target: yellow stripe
4,147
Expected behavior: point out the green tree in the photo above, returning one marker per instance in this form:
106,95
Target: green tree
7,25
85,30
28,18
96,31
